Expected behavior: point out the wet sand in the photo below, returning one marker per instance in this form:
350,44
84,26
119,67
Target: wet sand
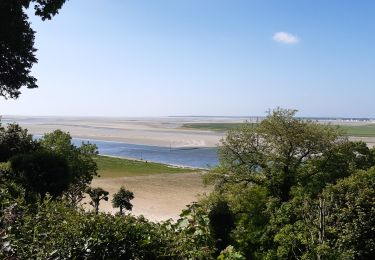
163,131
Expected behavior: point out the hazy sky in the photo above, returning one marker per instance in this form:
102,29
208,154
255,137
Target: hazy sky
203,57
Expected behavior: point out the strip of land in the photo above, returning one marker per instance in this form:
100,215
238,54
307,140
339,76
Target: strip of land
361,130
165,131
112,167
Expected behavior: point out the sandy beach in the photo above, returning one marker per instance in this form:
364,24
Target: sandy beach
157,197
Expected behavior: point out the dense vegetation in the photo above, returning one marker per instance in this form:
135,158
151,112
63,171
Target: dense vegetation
296,190
284,189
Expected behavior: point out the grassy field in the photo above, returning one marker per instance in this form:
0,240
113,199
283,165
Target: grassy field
219,127
358,131
110,167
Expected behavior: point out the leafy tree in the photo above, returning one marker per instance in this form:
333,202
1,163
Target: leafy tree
350,215
275,152
96,195
80,160
273,174
336,224
42,173
15,140
17,50
122,199
230,253
194,240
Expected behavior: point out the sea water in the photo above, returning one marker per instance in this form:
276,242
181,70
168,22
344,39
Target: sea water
197,157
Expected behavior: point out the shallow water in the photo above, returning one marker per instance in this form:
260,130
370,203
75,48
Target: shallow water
190,157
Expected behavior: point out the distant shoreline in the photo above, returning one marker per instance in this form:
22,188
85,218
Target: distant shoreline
163,131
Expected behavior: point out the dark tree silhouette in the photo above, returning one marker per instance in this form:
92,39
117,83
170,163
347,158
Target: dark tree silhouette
96,195
17,52
41,172
122,199
221,224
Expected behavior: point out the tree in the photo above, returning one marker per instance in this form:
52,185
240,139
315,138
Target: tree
122,199
15,140
41,172
275,152
337,224
80,161
273,176
350,218
96,195
17,52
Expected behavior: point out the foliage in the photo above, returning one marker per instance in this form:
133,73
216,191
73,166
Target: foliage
350,220
41,173
80,160
122,199
230,253
274,153
194,239
338,224
275,178
54,230
15,140
221,224
17,50
96,195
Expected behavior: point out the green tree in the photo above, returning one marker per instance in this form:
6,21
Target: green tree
41,172
17,50
80,160
350,215
273,174
336,224
122,199
15,140
274,153
96,195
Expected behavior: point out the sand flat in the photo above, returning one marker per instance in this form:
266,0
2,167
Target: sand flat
160,131
163,131
157,197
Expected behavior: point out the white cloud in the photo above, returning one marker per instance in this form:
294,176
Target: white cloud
286,38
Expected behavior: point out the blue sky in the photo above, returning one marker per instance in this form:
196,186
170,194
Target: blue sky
203,57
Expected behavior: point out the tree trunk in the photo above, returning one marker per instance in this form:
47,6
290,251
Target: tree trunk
96,208
321,222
